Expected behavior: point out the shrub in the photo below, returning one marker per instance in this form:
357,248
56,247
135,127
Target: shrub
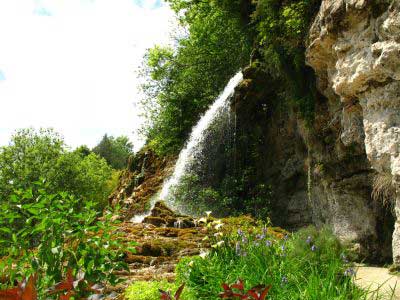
49,234
32,155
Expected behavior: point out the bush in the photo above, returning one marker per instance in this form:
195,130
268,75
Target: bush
49,234
308,265
32,155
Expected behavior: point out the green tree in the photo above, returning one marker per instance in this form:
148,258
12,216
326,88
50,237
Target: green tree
115,151
180,84
32,155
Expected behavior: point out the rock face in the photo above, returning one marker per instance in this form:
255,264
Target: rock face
354,48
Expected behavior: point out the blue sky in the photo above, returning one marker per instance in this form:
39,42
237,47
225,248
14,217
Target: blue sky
71,65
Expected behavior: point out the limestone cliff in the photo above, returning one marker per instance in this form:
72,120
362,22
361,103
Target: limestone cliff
354,49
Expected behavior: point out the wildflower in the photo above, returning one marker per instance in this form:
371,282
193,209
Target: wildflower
256,244
237,248
208,213
245,240
217,245
218,226
284,280
309,240
283,248
350,272
313,248
286,237
203,255
218,234
268,243
260,236
240,232
203,220
244,253
344,258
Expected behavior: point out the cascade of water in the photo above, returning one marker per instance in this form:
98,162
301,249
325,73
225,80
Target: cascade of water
197,142
196,146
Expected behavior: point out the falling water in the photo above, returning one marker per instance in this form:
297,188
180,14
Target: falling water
197,142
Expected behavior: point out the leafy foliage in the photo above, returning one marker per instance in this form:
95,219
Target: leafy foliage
166,295
32,155
181,83
50,234
236,291
282,27
114,150
232,197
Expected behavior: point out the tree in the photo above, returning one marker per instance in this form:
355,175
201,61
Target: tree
35,155
115,151
180,84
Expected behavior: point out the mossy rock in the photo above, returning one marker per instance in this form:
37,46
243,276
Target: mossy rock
156,221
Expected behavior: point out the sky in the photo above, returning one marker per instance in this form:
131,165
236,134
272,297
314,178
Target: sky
71,65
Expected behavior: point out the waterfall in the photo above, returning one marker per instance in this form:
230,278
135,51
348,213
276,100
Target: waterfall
198,142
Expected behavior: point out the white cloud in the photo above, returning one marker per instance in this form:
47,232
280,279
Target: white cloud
75,70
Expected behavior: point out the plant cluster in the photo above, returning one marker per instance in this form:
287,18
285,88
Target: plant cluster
53,234
309,264
32,155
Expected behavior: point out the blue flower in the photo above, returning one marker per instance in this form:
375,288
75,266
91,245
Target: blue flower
284,280
237,248
350,272
268,243
283,248
260,236
313,248
309,240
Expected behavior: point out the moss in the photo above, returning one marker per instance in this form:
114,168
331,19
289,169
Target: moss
149,290
156,221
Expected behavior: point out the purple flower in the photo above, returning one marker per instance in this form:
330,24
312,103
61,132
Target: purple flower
309,240
313,248
260,236
237,248
283,248
268,243
284,280
245,240
350,272
240,232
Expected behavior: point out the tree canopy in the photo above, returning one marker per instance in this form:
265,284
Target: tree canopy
35,155
115,151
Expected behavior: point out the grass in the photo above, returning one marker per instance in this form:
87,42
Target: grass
310,264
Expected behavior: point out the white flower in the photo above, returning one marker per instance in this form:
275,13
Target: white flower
202,220
208,213
217,245
203,255
218,226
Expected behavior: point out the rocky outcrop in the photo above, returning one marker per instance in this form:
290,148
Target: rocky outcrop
140,182
354,48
